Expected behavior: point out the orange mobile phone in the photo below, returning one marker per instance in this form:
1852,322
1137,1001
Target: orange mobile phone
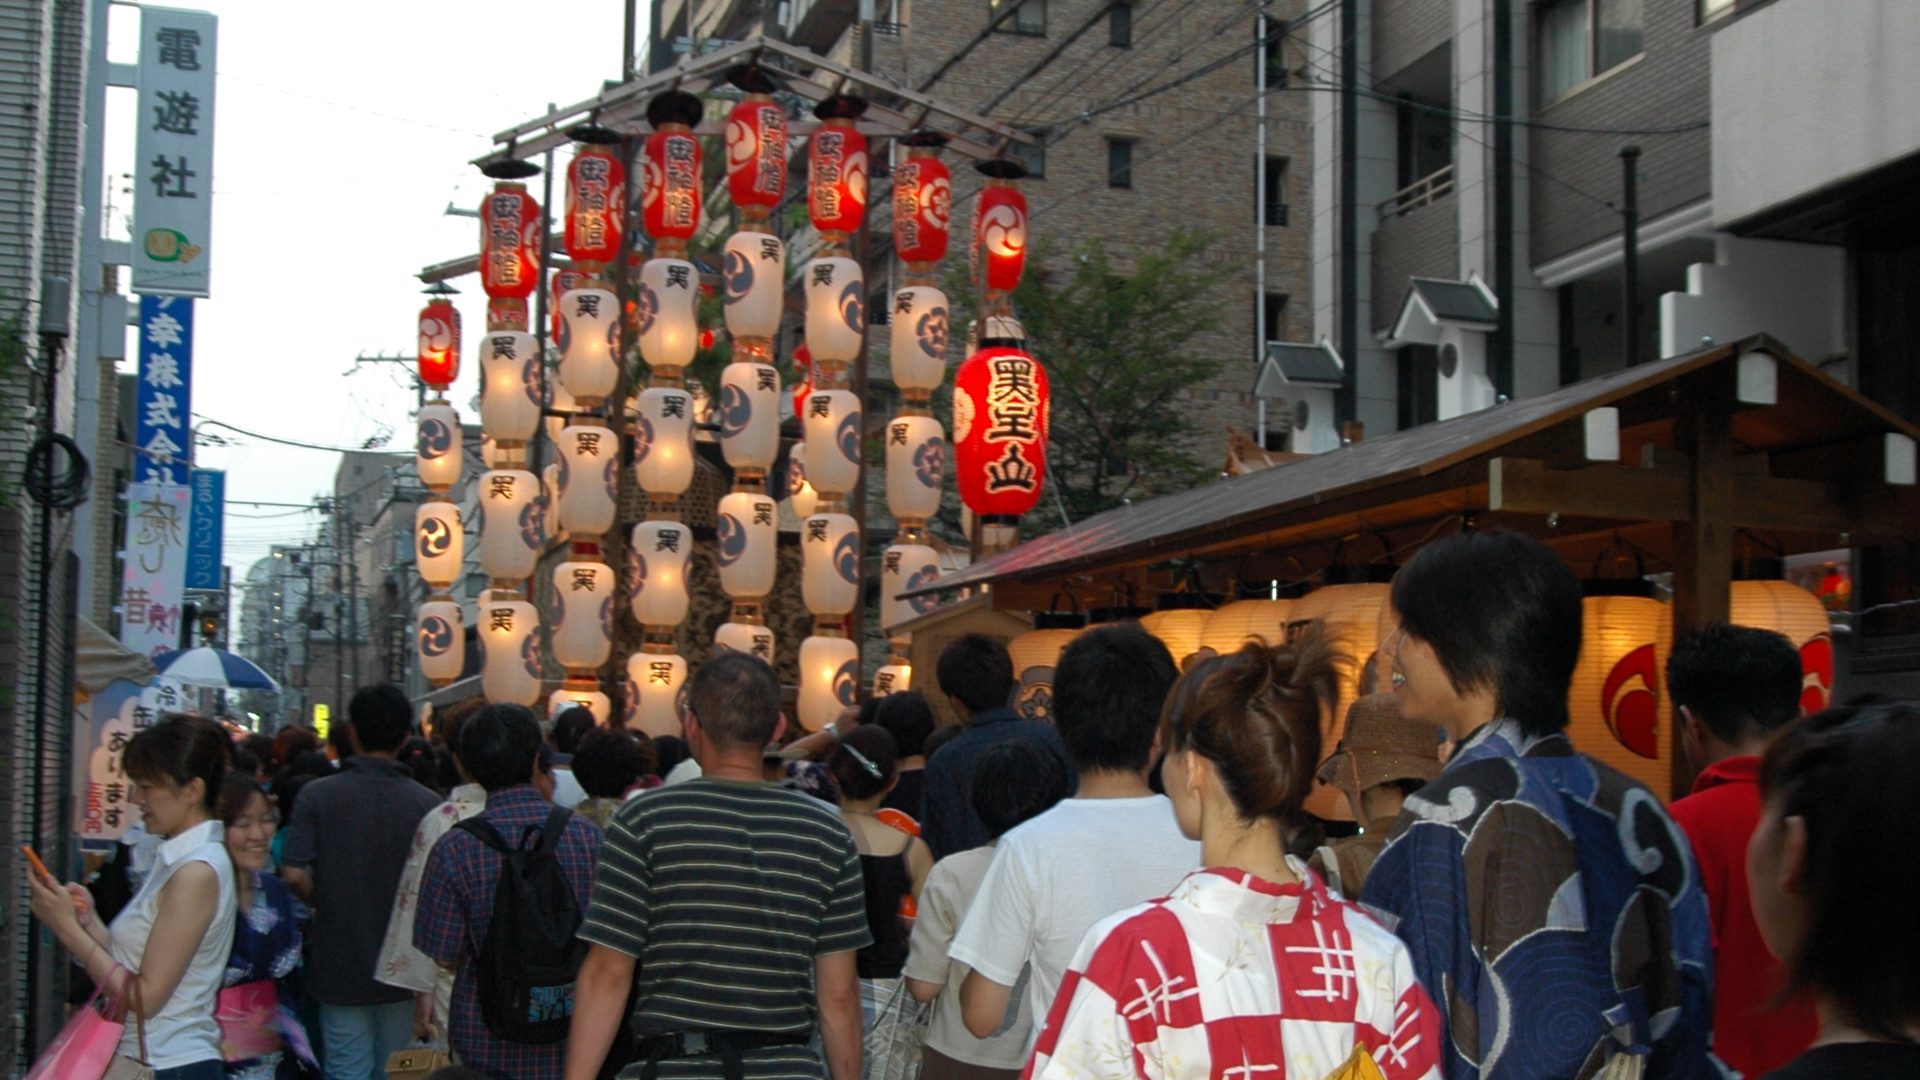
34,858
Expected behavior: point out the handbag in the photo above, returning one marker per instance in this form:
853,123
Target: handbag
894,1043
83,1048
415,1062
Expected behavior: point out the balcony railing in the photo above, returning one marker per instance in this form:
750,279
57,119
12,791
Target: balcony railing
1435,185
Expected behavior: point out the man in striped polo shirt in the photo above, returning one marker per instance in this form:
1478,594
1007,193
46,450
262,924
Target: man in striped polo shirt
737,903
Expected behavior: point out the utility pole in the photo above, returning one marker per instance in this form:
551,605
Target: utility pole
353,591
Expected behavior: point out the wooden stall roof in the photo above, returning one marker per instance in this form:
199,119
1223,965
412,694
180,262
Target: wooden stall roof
1809,463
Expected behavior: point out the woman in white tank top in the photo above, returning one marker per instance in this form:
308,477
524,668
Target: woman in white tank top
171,940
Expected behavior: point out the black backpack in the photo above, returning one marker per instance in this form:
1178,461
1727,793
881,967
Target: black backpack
531,955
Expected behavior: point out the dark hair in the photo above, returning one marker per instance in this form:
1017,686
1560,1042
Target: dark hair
417,755
1850,775
447,721
237,789
1501,611
256,744
180,750
381,716
569,726
736,698
865,762
306,767
609,760
668,751
290,743
1741,681
977,670
1255,714
908,716
1015,781
499,745
1108,687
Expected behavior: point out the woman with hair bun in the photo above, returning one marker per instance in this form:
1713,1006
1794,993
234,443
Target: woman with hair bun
1249,968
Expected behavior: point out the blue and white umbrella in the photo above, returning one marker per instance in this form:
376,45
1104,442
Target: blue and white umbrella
217,668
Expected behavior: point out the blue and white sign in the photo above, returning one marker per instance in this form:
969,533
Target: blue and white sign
163,405
206,528
173,147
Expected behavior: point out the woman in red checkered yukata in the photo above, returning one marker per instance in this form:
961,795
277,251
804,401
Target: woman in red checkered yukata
1250,969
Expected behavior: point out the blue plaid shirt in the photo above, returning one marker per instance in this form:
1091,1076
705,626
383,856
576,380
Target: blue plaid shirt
456,904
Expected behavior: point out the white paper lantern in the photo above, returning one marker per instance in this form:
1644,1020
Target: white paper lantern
509,385
1616,702
513,528
750,415
582,630
836,310
799,492
754,267
892,678
667,310
916,466
1349,612
439,543
589,479
654,702
663,440
440,641
659,559
834,441
746,542
744,638
1789,609
1035,655
919,324
589,340
906,566
568,697
438,446
829,680
510,643
1262,622
830,564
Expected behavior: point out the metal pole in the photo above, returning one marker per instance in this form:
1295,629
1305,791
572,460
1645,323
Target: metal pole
1502,338
629,43
1347,397
1630,252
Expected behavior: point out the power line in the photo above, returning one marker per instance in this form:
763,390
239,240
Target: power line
286,442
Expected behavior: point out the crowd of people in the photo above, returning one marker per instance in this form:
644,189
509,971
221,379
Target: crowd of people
1130,891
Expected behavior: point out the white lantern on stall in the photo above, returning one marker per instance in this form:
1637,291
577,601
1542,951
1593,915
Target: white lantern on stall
920,324
836,310
753,266
892,678
1788,609
834,439
439,543
750,415
745,638
747,535
829,680
916,466
659,559
580,695
1035,654
906,566
589,479
510,643
800,493
589,341
1348,609
581,634
1616,701
513,528
440,641
1256,621
438,446
663,440
667,310
509,385
658,680
830,564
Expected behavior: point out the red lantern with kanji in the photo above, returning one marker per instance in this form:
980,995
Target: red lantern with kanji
756,145
509,242
922,201
670,180
1000,413
439,343
1000,228
596,197
837,167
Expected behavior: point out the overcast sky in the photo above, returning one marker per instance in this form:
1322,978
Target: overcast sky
343,131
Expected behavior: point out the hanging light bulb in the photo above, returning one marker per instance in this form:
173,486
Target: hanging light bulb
829,680
834,441
510,641
513,529
589,463
658,683
581,634
438,446
658,556
440,641
663,440
439,543
830,562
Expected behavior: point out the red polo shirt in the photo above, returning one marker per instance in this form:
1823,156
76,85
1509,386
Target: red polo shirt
1719,818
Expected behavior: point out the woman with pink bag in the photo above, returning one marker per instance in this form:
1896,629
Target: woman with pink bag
167,949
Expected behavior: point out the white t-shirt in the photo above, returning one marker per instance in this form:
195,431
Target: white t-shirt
1053,877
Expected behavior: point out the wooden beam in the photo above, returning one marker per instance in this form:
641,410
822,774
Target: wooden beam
1606,491
1663,493
1702,548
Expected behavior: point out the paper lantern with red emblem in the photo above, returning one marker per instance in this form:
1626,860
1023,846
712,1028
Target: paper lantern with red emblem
756,145
922,201
439,343
1000,409
1616,703
1000,228
837,168
670,180
1789,609
596,197
509,242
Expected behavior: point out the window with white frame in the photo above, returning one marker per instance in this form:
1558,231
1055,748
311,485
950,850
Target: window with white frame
1580,39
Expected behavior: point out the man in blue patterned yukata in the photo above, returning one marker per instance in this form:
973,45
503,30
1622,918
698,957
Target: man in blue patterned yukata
1551,905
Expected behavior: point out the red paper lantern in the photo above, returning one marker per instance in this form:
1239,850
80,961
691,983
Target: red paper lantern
670,182
1000,413
837,167
803,378
439,344
1000,235
757,155
596,201
509,242
922,202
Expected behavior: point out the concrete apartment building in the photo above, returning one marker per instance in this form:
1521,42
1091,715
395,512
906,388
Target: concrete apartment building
1188,155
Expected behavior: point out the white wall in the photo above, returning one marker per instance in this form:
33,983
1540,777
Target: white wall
1796,292
1810,92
